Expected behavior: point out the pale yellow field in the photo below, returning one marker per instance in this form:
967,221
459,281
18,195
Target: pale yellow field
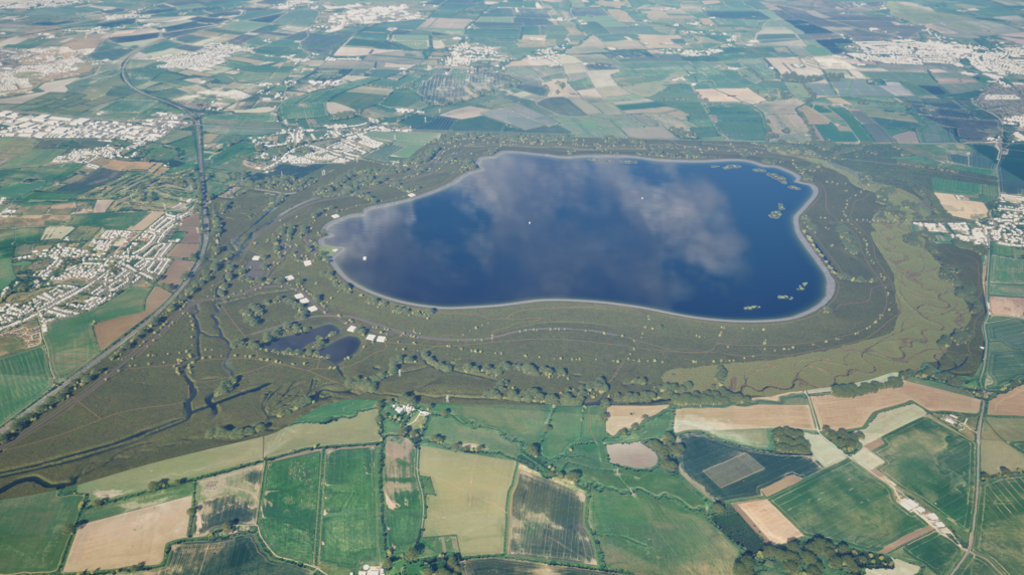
853,412
767,520
130,538
743,417
967,209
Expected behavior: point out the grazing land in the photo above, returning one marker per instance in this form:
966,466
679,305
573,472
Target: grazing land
522,422
846,503
229,497
727,471
358,430
403,497
933,463
547,520
567,425
743,417
889,421
350,519
130,538
853,412
767,520
649,535
288,514
37,544
471,495
996,453
1002,522
241,556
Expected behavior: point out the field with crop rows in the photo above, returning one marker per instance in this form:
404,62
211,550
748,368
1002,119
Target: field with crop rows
24,376
934,552
351,520
1002,522
845,502
234,557
35,545
288,514
935,464
403,498
513,567
547,521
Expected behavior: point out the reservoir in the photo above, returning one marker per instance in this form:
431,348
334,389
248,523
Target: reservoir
707,239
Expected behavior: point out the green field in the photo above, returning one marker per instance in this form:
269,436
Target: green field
351,523
934,464
109,220
410,142
513,567
547,521
97,512
934,552
24,376
647,535
288,514
336,410
1006,274
471,493
984,192
1005,349
403,497
1002,522
566,430
242,556
524,423
846,503
31,531
455,432
72,343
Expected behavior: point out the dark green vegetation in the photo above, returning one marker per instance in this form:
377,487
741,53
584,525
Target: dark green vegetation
791,441
336,410
845,439
737,530
813,557
934,464
242,556
351,525
547,521
846,503
291,502
512,567
727,471
865,388
34,531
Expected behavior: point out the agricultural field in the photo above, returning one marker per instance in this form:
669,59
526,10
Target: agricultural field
743,417
846,503
471,492
934,464
98,510
932,551
403,496
1002,522
767,520
350,522
513,567
231,497
728,472
23,376
854,412
547,520
1006,350
241,556
130,538
291,502
37,544
649,535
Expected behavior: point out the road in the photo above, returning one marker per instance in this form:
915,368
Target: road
204,208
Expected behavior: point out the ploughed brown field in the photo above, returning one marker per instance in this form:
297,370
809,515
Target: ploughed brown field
853,412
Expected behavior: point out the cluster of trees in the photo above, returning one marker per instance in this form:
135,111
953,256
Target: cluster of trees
442,565
670,452
868,387
789,440
735,528
848,441
810,557
505,390
232,433
253,315
227,385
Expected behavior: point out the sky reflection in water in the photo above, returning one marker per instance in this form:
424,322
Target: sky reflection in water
681,237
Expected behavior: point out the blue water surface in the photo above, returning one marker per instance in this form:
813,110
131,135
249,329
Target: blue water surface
693,238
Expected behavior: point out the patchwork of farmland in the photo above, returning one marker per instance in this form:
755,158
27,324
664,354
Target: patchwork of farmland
727,471
241,556
288,513
846,503
935,464
230,497
934,552
547,521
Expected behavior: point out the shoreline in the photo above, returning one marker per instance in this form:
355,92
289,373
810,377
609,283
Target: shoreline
830,282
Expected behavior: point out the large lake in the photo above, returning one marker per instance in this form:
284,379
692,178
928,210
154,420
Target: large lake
708,239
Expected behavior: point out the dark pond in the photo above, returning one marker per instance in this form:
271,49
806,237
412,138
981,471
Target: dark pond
697,238
335,351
